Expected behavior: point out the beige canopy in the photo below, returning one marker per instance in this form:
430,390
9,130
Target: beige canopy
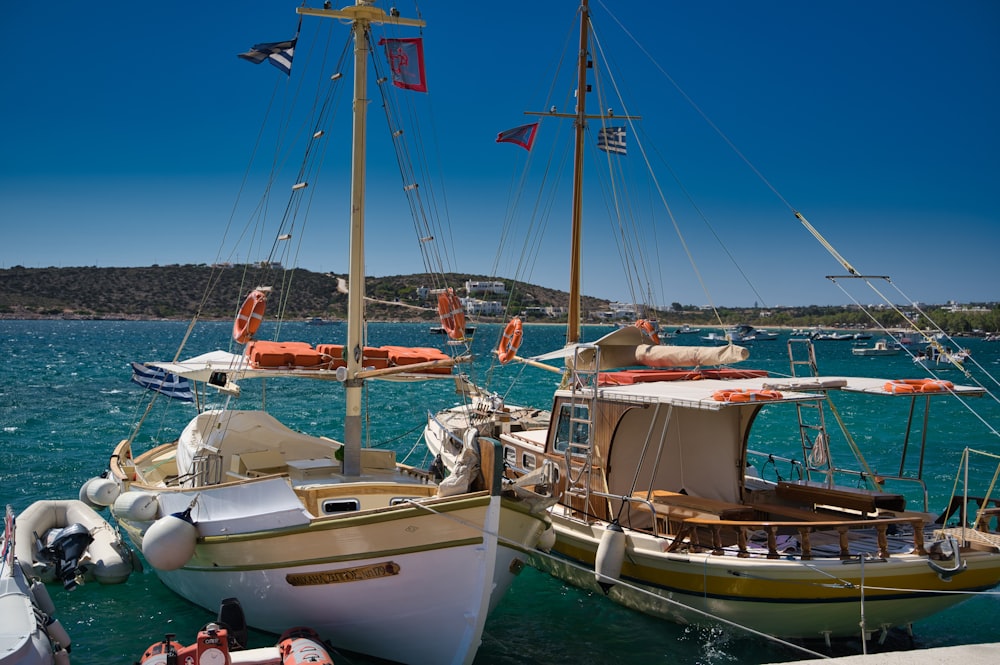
626,347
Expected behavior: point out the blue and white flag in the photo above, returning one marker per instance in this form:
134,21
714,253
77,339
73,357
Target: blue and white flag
612,139
154,378
278,54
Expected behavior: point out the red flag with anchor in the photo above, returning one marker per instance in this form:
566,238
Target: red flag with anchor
406,61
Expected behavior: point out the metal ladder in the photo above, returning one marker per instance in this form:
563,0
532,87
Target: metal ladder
582,378
811,414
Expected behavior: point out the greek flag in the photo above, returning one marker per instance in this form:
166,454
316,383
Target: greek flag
154,378
278,53
612,139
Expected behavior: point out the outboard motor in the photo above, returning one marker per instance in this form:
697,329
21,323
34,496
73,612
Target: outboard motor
64,549
232,618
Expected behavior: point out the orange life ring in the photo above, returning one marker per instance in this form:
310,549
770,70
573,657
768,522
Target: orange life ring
511,341
452,316
646,326
249,317
912,386
746,395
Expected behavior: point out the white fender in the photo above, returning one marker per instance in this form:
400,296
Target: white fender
57,633
547,540
43,600
169,542
102,491
136,506
83,491
610,556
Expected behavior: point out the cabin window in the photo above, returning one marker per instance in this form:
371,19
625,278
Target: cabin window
572,429
509,455
527,461
331,506
398,500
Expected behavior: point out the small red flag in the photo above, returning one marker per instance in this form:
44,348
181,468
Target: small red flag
406,61
523,136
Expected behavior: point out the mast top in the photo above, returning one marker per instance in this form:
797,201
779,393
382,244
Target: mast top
362,10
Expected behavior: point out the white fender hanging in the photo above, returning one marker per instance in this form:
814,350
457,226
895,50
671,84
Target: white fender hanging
610,556
136,506
102,491
169,542
83,491
547,540
40,594
57,633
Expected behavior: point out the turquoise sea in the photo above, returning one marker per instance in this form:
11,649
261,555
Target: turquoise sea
66,399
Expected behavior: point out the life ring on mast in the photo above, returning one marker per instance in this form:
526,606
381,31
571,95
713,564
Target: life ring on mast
745,395
249,317
511,341
452,316
648,330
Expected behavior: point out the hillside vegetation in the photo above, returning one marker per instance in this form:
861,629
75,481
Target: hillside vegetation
180,291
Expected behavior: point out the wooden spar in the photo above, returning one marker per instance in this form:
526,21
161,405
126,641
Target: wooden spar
361,16
415,367
535,363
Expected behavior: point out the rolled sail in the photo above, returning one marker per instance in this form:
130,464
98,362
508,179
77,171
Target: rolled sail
653,355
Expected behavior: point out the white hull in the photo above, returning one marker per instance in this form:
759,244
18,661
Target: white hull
380,564
415,587
400,618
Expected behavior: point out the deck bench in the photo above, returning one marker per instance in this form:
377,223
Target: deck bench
814,493
676,505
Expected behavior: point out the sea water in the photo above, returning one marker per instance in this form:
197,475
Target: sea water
66,400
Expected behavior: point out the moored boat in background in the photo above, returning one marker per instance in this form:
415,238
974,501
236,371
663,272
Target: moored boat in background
881,347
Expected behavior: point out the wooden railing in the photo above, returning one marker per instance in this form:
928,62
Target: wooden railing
693,528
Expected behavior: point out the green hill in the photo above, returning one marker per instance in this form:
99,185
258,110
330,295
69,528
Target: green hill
179,291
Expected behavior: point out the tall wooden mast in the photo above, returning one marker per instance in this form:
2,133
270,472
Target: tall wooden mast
361,16
580,119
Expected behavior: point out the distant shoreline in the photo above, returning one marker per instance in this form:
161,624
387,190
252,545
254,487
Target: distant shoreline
668,326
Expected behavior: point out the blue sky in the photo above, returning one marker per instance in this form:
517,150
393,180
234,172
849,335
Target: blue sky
126,128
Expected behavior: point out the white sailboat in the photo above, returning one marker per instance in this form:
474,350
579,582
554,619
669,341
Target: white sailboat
308,530
665,506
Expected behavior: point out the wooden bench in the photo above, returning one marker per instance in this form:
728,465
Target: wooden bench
814,493
774,512
682,506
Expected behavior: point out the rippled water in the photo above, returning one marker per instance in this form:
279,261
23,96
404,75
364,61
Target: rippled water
66,400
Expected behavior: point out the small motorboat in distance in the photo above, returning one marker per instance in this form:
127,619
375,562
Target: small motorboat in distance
881,348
